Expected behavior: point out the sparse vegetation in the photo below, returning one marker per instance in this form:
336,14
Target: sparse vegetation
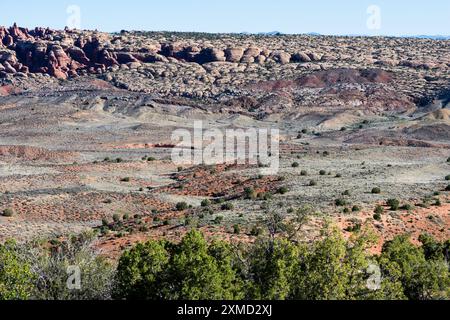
250,194
407,207
227,206
379,210
8,212
340,202
283,190
376,190
394,204
181,206
377,216
205,203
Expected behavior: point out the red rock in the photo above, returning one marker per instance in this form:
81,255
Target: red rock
125,57
78,55
8,40
57,73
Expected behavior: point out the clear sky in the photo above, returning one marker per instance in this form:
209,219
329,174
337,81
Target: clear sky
391,17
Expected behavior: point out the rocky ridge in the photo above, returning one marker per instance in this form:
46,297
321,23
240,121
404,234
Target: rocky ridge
288,70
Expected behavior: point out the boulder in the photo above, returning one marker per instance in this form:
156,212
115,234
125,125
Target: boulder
252,52
247,59
234,54
125,57
58,55
314,56
8,68
78,54
300,57
281,57
260,59
210,55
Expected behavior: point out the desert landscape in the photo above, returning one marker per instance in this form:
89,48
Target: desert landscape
86,120
95,206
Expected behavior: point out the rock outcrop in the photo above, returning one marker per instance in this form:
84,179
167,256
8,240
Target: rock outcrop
68,53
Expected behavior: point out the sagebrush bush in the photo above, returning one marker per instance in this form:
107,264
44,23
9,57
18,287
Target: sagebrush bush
376,190
394,204
227,206
181,206
379,210
340,202
8,212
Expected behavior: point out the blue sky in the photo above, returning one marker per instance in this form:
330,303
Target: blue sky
398,17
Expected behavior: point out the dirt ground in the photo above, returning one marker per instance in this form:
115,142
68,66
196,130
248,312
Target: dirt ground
68,164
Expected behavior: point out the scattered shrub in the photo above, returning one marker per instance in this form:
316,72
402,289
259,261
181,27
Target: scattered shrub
376,190
265,196
116,217
205,203
218,220
295,165
255,231
8,212
407,207
394,204
181,206
227,206
283,190
105,222
250,194
379,210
